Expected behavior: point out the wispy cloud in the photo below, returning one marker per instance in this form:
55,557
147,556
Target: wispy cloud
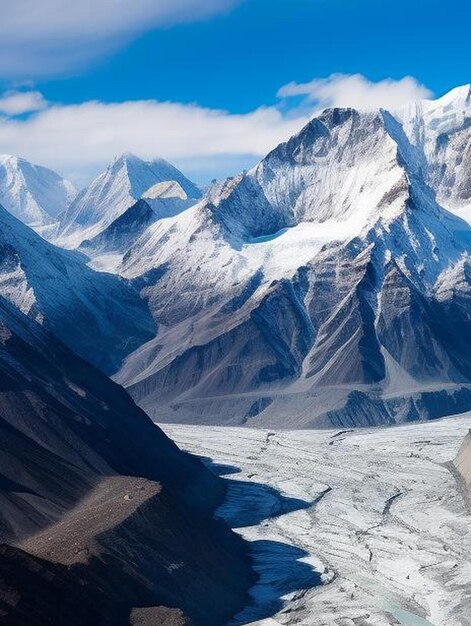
52,36
78,140
19,102
354,90
81,138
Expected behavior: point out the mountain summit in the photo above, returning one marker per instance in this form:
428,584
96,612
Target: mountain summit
328,285
126,180
32,193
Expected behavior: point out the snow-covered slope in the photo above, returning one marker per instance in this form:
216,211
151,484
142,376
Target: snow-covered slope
169,198
439,133
33,194
330,283
125,181
98,315
106,250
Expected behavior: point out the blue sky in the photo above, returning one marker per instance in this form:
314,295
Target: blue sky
207,56
239,60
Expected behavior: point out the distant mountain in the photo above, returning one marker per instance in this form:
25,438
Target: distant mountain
125,181
327,286
34,194
103,520
97,315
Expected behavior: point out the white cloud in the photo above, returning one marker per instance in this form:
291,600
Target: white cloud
342,90
19,102
78,140
51,36
81,138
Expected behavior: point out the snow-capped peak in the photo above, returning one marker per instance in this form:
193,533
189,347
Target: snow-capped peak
139,170
335,171
125,156
439,133
124,161
5,158
126,179
32,193
458,96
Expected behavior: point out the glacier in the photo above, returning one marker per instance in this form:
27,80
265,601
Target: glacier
352,527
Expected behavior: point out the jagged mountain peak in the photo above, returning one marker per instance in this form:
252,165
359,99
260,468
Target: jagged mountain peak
16,161
354,216
439,132
440,115
125,156
335,170
9,158
346,166
459,96
320,126
34,194
131,163
126,179
158,168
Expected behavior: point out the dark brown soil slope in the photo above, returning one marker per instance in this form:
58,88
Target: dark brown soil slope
103,519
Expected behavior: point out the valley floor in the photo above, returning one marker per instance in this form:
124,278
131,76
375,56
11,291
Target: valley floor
349,528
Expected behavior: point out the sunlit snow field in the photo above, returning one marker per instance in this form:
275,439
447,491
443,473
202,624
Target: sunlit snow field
348,528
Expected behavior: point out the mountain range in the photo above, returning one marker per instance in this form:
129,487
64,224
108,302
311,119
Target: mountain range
328,285
98,315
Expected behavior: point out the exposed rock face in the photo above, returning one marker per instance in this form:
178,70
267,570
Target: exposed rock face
463,460
332,280
101,512
121,234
